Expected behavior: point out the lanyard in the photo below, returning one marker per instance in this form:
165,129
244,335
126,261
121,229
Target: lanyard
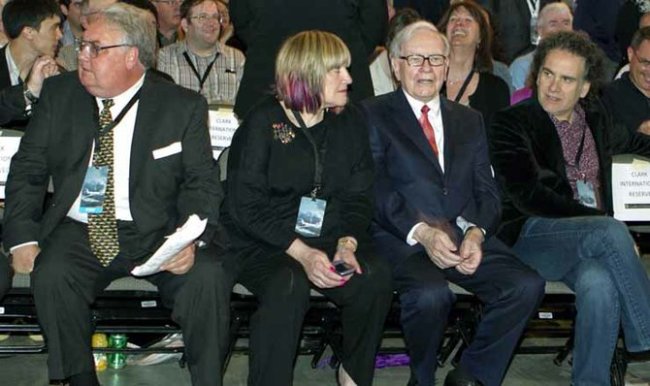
200,78
464,86
533,7
116,121
319,155
581,148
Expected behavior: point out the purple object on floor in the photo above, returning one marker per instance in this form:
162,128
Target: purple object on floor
391,360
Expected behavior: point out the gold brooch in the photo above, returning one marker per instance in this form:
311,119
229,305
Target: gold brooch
283,132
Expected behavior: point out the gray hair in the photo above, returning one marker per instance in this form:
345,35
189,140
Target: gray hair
556,6
138,30
407,32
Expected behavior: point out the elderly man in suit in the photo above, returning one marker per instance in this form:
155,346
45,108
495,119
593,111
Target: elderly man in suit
437,208
145,140
552,155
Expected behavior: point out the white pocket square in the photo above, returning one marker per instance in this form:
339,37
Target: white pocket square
168,150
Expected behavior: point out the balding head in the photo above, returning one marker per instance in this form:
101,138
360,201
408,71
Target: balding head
554,17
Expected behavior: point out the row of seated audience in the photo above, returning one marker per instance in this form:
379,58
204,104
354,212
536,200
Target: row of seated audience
398,190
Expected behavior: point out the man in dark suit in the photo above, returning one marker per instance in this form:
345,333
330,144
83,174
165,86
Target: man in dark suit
144,142
33,29
552,156
263,26
437,208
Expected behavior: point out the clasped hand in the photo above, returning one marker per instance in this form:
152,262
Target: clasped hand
444,253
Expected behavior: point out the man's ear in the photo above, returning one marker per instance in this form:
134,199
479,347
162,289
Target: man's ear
630,52
132,57
184,25
586,86
394,65
28,32
64,10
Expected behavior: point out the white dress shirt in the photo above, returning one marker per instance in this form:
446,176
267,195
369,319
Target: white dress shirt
14,72
122,137
435,118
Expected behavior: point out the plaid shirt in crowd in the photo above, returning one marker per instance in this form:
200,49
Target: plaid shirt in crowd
222,83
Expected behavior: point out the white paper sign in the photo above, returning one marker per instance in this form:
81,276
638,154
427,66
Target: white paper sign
8,147
223,124
631,187
183,237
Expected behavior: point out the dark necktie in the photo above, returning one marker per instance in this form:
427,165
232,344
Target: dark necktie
102,227
428,129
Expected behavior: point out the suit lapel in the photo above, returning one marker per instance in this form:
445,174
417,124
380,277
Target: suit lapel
547,138
142,132
5,79
83,127
406,121
449,125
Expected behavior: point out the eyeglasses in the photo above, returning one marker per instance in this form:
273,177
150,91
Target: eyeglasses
643,62
169,2
434,60
204,17
93,49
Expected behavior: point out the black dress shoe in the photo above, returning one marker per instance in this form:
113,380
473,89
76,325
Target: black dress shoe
458,377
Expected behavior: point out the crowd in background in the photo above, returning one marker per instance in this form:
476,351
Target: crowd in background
384,146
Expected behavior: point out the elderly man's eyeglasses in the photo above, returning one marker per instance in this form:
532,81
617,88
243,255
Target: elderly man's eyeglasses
435,60
204,18
93,49
645,63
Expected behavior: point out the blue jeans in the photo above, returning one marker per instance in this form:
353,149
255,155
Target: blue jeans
595,257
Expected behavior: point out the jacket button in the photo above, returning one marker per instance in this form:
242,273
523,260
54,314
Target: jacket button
444,191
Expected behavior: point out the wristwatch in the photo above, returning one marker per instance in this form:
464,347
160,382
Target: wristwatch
33,99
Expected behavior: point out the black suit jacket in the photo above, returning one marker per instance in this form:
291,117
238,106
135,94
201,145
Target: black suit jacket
528,160
163,192
12,100
263,25
410,185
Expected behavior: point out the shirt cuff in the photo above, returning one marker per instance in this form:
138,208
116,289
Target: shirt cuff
464,225
409,237
12,249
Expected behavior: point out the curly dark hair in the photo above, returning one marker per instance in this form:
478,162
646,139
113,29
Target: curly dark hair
483,55
577,43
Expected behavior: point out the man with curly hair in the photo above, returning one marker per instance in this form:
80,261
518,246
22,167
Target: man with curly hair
552,156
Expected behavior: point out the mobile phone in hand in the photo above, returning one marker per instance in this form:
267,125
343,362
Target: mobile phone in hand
343,268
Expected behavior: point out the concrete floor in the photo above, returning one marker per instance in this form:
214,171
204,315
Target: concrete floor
526,370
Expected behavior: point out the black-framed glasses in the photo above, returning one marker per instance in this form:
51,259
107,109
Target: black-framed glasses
93,49
204,17
435,60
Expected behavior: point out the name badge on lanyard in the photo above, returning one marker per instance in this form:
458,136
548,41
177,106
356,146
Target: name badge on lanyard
586,193
93,190
311,212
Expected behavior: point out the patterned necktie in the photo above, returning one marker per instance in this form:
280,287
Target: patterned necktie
428,129
102,227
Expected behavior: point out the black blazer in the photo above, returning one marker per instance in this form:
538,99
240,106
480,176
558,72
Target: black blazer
410,185
12,100
163,192
527,157
263,25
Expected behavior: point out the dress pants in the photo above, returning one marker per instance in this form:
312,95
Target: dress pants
67,277
282,289
6,275
595,257
510,291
